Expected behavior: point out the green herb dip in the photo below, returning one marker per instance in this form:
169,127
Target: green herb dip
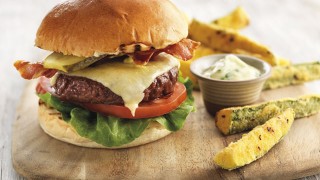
231,68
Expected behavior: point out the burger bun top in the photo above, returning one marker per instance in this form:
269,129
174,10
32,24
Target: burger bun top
91,28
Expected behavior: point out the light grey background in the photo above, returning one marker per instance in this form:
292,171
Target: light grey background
290,28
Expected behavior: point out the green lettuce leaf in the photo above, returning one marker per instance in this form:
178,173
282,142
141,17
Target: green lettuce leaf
112,131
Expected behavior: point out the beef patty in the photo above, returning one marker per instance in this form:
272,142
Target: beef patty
83,90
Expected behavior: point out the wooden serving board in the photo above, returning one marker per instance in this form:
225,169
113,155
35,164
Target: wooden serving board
186,154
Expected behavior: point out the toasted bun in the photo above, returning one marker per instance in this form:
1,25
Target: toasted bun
52,123
90,28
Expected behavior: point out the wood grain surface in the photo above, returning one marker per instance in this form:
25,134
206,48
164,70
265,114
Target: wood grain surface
288,27
186,154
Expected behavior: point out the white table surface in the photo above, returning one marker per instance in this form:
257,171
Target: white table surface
290,28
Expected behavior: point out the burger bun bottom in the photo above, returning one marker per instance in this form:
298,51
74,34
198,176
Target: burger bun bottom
52,123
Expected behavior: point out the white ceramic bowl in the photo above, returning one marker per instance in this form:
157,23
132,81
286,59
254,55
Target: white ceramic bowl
218,94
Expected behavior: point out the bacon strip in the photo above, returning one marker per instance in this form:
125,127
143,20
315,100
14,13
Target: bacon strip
44,86
182,50
143,57
33,70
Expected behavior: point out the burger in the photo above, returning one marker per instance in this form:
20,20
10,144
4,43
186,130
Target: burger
112,79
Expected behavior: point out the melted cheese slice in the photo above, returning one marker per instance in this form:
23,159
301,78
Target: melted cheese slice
129,80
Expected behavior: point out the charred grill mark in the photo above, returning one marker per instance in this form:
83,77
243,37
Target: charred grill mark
122,47
137,47
231,39
54,113
269,129
40,102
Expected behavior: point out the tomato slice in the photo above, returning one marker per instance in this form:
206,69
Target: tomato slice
154,108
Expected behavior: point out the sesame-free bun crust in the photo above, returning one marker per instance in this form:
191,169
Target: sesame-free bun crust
51,122
93,27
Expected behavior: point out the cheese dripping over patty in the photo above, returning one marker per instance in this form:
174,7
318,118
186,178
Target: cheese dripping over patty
129,80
